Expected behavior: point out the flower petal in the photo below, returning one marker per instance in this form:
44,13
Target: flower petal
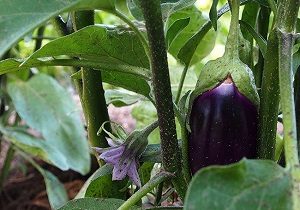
111,142
120,170
112,155
133,174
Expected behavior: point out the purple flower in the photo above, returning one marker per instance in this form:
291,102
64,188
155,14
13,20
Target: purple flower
123,159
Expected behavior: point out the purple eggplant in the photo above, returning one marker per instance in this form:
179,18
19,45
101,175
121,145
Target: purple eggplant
224,127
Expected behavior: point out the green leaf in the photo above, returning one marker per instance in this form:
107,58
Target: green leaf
189,48
99,43
35,146
196,22
262,43
49,109
167,6
145,172
120,79
213,16
248,185
18,17
95,204
175,29
100,185
152,154
249,16
121,98
113,47
56,192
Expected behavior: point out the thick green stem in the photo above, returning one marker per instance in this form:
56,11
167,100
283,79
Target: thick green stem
287,98
232,44
6,165
162,91
156,180
92,98
288,11
297,102
269,102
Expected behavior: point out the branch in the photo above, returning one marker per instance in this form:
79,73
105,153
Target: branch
162,91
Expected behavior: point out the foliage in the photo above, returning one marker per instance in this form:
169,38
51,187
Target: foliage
125,39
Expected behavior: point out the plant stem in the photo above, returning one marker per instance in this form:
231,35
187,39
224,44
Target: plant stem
136,30
269,102
156,180
60,26
38,42
98,65
162,91
159,193
92,99
182,78
286,27
6,165
288,12
232,44
297,102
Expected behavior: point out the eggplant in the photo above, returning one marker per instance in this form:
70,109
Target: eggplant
224,127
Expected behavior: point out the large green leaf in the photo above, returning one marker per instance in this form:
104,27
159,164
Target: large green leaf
247,185
48,108
117,78
100,185
35,146
196,22
95,204
103,44
18,17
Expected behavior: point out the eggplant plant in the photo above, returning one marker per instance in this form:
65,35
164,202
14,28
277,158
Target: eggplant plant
218,145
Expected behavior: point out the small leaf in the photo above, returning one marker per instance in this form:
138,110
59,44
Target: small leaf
213,14
56,192
196,22
249,16
175,29
95,204
48,108
262,43
121,98
145,172
152,153
249,184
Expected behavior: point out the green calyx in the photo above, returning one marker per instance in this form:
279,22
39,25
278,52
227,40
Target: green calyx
215,72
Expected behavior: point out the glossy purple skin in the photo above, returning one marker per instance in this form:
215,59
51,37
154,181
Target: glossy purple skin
223,128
